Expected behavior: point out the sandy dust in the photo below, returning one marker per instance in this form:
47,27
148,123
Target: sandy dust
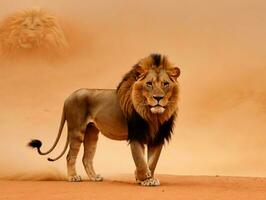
220,48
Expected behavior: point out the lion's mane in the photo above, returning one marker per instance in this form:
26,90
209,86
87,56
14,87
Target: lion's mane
142,124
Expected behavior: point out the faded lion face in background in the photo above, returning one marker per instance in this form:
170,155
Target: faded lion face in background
219,47
32,31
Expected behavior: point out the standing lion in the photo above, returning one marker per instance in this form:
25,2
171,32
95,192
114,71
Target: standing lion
32,30
141,110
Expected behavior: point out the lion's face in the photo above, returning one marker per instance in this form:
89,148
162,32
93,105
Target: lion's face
155,90
32,26
31,31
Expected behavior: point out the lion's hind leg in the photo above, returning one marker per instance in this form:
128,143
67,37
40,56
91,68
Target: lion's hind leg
75,139
90,144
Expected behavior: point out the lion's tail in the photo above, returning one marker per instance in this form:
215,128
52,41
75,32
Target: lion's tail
63,152
37,143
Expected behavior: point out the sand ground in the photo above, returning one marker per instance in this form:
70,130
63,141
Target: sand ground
124,187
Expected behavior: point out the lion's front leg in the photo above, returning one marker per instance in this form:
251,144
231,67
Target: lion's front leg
143,173
142,170
153,156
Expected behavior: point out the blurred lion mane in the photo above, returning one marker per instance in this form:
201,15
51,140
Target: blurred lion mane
32,29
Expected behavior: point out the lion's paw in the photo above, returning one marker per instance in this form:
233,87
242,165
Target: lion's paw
149,182
75,178
96,178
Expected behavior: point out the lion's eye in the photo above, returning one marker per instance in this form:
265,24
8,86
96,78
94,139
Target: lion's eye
166,84
149,84
38,25
25,25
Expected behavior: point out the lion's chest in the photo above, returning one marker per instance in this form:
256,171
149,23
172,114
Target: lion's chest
140,130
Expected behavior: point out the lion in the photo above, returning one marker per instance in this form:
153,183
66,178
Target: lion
30,30
142,110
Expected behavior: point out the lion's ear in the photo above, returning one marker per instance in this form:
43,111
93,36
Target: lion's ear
174,72
140,70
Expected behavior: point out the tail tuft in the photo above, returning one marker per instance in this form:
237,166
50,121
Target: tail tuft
35,144
50,159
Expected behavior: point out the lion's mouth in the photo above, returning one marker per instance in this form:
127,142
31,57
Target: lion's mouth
157,109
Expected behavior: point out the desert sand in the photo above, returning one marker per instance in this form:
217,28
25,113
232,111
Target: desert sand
123,187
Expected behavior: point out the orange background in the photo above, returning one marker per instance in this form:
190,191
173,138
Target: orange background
219,46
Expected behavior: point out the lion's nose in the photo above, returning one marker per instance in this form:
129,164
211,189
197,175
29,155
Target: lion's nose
158,98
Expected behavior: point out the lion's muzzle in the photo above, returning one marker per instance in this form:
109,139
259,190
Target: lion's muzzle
157,109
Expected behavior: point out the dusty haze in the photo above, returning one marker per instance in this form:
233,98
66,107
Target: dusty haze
219,47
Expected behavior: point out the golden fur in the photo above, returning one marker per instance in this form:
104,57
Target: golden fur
134,94
30,30
89,112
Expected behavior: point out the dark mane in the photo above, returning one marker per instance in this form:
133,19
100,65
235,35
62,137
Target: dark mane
138,130
156,59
